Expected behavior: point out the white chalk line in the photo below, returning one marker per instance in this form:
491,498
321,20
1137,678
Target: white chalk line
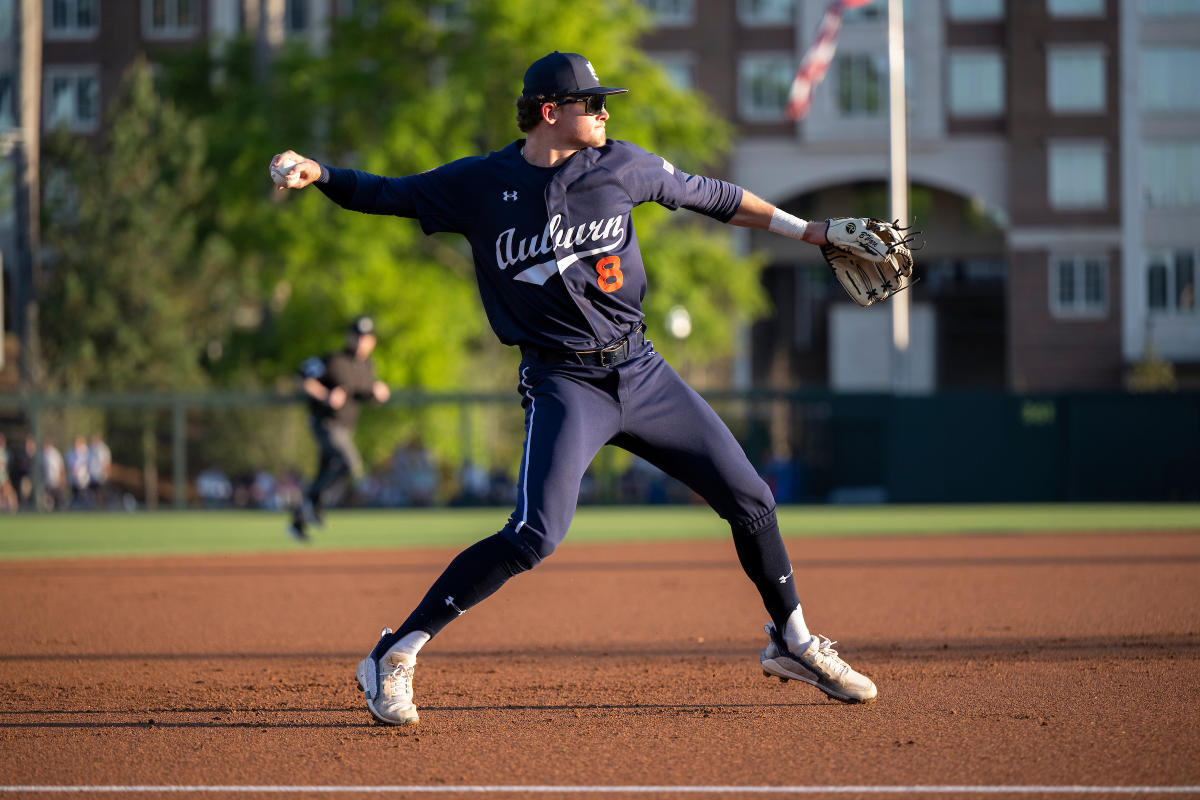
725,790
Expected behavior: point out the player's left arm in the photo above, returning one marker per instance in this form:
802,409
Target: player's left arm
754,212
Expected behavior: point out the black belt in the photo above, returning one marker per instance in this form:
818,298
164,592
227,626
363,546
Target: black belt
609,356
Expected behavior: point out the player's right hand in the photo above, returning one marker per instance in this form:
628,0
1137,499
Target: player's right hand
303,172
337,397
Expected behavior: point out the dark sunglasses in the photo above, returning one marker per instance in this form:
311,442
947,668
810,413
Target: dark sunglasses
592,103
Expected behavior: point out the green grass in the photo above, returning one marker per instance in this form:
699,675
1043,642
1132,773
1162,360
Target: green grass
73,535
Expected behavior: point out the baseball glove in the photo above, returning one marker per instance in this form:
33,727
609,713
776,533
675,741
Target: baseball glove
870,258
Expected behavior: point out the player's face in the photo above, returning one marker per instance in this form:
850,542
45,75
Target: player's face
579,128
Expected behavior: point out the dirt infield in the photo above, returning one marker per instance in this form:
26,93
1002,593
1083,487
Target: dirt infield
1001,661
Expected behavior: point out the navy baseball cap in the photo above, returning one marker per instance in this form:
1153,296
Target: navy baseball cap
561,74
362,326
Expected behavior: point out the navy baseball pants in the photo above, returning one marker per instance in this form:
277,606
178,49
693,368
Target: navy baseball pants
643,406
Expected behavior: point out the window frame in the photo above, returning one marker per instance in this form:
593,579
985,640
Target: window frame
1079,307
8,16
876,60
1167,258
1157,9
1055,198
8,106
981,113
1072,9
73,30
682,16
675,62
1153,101
746,60
749,19
1174,193
1060,103
76,73
978,11
172,29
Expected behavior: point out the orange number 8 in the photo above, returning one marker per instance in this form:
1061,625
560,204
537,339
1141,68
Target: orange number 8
609,269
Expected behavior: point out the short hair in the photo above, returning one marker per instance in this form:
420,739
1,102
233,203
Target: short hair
529,111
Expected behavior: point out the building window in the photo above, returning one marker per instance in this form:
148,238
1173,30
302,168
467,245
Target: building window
8,117
1075,80
6,19
1078,175
1171,282
976,83
1171,8
861,85
1171,174
765,12
763,86
72,98
679,67
169,19
296,16
1078,286
1166,79
975,10
871,12
72,19
671,13
1075,8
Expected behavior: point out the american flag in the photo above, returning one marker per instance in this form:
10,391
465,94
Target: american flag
816,60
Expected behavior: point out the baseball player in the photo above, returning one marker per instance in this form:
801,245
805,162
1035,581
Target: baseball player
561,277
336,383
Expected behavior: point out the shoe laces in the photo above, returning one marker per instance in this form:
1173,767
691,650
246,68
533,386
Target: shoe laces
829,658
396,681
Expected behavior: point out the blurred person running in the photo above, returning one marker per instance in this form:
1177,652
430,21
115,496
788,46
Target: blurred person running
336,384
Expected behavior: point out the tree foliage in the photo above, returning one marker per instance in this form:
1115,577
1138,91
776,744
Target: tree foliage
135,289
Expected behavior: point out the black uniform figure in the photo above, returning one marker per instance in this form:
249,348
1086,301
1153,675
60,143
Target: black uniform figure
561,276
336,383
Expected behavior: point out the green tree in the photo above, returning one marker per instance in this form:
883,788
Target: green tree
135,288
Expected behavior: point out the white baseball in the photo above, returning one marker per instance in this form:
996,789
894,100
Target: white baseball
279,173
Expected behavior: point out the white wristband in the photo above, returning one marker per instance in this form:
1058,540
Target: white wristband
787,225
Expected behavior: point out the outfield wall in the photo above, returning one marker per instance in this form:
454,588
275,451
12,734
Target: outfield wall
812,447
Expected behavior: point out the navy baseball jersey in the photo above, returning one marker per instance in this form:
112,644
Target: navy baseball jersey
556,257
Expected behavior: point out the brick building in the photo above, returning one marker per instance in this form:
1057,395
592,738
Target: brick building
1054,157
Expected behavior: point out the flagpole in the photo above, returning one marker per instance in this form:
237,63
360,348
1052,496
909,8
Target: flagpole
898,185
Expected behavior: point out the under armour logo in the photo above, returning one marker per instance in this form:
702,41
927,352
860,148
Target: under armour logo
785,577
450,602
509,196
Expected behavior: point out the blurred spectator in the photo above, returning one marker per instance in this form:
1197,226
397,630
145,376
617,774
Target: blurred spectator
474,486
214,487
643,483
77,472
414,474
99,465
21,469
289,490
503,492
8,495
54,477
262,490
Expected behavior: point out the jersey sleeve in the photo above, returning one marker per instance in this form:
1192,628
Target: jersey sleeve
648,177
438,199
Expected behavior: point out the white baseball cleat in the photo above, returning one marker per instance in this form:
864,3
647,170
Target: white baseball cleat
819,665
387,686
